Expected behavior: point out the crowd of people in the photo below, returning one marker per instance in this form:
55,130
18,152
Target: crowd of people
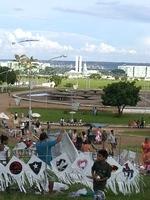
94,138
137,123
103,141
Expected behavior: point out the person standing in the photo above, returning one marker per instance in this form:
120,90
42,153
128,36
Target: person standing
44,145
101,172
4,150
112,141
94,110
146,153
86,147
98,137
104,138
79,141
74,136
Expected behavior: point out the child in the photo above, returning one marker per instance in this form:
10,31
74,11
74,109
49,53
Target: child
101,171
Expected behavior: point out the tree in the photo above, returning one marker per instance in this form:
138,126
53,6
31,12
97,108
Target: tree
95,76
7,75
57,79
118,72
28,63
27,66
121,94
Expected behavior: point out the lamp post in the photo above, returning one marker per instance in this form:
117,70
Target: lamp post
53,58
29,63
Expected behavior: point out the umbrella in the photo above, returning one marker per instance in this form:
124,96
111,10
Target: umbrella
36,115
72,113
3,116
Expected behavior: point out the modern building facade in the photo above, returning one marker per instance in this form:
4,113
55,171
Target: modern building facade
135,71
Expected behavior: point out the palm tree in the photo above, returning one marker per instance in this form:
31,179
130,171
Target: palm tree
28,63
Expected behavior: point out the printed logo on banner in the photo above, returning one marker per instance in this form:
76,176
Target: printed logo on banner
61,164
36,166
128,172
82,163
15,167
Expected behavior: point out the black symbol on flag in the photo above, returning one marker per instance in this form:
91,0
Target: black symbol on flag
36,167
15,167
61,164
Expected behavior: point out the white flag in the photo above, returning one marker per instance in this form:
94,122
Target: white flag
16,169
4,180
61,167
65,146
83,163
36,172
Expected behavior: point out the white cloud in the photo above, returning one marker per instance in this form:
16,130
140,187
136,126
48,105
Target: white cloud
57,43
132,51
146,41
10,43
89,48
101,48
106,48
20,34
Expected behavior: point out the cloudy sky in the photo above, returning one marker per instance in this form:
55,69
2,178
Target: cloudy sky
98,30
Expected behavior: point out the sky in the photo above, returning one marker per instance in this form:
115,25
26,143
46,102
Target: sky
97,30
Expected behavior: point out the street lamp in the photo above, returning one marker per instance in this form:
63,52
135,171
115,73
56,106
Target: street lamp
29,63
61,56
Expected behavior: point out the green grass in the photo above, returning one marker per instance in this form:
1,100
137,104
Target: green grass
54,115
84,83
99,83
16,195
87,83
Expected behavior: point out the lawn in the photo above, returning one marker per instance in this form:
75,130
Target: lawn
16,195
86,83
54,115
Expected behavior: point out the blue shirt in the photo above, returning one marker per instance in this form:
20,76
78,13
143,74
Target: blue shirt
44,150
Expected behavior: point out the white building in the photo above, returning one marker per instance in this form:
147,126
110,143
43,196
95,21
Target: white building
80,69
135,71
14,65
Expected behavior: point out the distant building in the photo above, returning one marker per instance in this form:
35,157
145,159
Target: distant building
135,71
14,65
80,69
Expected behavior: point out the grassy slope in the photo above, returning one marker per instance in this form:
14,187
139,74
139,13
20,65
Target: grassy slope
13,195
54,115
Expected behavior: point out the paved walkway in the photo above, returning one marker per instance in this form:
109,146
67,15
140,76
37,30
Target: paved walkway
7,101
